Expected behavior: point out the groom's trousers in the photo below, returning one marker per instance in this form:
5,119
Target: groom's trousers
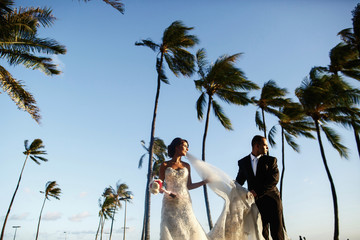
271,214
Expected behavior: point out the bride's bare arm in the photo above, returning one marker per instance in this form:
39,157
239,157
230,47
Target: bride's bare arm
190,184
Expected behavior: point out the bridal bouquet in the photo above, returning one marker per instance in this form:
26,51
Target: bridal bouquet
156,186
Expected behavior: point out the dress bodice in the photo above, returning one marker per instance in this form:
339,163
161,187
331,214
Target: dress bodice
176,181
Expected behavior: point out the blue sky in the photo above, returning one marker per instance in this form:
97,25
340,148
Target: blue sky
96,113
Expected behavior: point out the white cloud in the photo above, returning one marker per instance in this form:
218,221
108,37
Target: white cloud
88,232
22,216
79,217
83,194
52,216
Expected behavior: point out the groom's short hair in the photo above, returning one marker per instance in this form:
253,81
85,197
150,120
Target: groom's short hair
257,140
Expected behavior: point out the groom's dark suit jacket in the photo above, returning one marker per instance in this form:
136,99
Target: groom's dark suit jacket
267,176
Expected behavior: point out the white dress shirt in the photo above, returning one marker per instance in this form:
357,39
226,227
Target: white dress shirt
254,162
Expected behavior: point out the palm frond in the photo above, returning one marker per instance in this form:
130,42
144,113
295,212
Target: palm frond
180,62
15,89
28,45
234,97
335,140
117,4
271,136
141,160
200,104
6,6
347,35
176,35
352,74
258,121
270,91
219,114
290,140
201,61
36,145
148,43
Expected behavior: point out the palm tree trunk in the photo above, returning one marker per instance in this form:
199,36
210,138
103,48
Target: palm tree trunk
12,199
333,191
282,161
112,224
146,234
102,228
264,125
143,229
97,232
283,170
38,227
357,139
203,158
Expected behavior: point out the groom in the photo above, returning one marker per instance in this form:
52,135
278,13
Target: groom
262,174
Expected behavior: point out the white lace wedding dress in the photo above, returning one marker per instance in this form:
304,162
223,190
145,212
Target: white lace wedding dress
178,221
239,220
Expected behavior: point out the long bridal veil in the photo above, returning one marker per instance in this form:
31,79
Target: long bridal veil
240,218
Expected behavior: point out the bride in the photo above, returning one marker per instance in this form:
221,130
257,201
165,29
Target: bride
239,220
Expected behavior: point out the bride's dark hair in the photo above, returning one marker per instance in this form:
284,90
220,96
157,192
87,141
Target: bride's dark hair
176,142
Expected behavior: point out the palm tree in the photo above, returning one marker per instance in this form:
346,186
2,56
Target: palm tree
160,154
106,205
20,44
120,193
293,123
51,190
172,49
224,80
34,151
324,98
117,4
271,98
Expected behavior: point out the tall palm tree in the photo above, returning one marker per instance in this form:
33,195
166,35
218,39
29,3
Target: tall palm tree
271,98
20,45
118,194
117,4
51,190
35,152
160,154
324,98
106,206
172,49
225,81
293,123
